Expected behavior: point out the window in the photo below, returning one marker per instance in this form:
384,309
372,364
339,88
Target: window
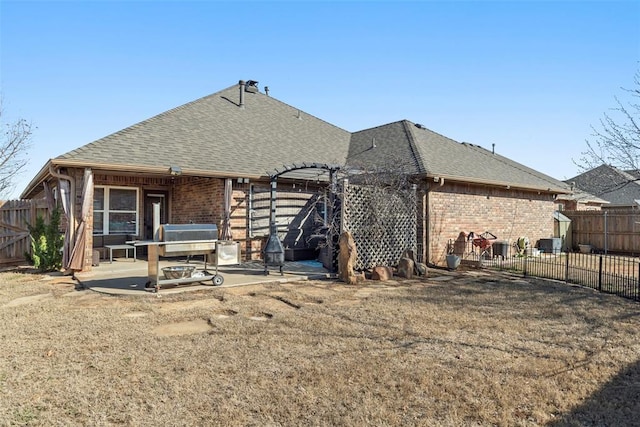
115,210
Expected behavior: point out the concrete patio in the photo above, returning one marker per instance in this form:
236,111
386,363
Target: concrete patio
126,276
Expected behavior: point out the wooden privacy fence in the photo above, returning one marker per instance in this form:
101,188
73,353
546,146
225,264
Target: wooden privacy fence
611,231
14,234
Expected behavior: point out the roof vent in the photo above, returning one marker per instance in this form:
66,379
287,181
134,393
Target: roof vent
251,86
420,126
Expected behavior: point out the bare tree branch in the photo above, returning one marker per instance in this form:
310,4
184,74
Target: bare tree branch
617,140
14,145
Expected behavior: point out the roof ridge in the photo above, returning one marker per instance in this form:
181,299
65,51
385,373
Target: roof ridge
380,126
417,158
514,164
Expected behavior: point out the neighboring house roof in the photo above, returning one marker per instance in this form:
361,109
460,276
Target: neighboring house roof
634,172
583,197
618,187
216,136
438,156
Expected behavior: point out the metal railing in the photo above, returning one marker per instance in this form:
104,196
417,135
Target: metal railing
613,274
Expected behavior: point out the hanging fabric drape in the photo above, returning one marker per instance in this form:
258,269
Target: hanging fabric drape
225,233
78,253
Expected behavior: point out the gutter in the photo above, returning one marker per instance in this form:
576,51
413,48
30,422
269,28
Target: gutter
37,180
130,169
157,170
452,178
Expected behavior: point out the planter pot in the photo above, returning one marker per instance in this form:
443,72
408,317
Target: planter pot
453,261
585,249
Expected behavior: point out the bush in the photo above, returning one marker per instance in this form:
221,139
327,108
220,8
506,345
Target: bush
46,243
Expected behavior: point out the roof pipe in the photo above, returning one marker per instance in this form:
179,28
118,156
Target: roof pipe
241,83
72,190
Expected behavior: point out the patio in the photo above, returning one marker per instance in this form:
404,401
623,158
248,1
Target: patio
124,276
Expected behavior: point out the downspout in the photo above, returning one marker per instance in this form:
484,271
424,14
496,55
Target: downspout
72,189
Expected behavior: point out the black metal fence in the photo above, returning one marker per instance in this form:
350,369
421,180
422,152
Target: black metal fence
613,274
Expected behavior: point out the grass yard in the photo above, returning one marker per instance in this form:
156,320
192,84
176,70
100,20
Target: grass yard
469,348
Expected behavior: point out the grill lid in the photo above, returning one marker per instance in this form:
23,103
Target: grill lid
184,232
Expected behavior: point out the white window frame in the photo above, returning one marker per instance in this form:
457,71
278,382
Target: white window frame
106,211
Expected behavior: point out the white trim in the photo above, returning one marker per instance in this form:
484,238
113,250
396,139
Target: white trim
105,211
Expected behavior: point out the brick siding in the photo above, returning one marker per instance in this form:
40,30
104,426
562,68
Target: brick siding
508,214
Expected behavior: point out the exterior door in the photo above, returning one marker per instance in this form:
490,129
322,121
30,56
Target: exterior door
151,197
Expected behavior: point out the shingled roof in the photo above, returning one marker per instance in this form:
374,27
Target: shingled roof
438,156
215,135
618,187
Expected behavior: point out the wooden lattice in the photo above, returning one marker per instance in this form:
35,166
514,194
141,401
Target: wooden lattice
382,222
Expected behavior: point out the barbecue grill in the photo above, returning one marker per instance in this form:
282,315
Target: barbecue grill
188,240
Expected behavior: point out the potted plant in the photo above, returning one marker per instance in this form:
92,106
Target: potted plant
453,260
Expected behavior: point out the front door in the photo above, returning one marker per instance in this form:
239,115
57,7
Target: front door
151,197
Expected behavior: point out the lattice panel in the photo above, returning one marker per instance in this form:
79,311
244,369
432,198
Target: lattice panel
382,222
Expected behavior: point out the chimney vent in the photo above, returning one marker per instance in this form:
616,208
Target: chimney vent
251,87
242,89
266,90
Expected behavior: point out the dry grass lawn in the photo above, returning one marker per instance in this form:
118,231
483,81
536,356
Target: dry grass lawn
470,348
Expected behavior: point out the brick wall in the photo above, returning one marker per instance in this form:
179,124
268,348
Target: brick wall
509,214
201,200
198,200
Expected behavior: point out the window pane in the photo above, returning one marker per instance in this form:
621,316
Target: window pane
98,199
122,223
98,222
122,200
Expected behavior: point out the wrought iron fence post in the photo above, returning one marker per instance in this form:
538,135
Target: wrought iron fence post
638,283
566,268
525,266
600,273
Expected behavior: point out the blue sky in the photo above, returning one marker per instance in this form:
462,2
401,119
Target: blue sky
529,77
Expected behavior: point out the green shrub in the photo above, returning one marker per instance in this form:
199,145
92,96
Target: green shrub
46,243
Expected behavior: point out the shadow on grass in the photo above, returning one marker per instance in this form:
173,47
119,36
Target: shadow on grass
617,403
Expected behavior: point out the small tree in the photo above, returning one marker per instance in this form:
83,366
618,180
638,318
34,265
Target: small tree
15,142
46,243
617,143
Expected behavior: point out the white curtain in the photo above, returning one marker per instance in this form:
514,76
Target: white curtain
65,199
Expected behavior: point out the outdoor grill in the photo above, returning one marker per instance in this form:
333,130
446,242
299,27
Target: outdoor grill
195,239
187,240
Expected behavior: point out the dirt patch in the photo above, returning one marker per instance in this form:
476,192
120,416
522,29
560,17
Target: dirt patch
32,299
136,314
207,303
197,326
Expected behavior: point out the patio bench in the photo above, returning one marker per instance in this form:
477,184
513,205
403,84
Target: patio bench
124,247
